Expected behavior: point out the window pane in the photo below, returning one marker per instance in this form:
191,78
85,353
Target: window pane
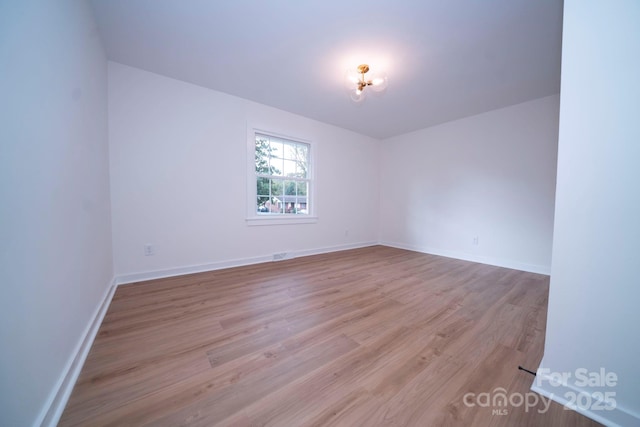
276,148
262,187
277,188
302,151
290,151
298,153
290,205
302,160
272,205
276,205
263,204
262,155
289,188
302,188
290,168
301,170
276,166
302,206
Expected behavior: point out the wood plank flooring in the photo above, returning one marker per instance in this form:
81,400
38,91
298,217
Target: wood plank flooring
367,337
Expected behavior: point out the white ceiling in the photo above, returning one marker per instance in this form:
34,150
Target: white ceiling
445,59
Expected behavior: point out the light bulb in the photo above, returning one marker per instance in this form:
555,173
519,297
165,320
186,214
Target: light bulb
380,82
358,95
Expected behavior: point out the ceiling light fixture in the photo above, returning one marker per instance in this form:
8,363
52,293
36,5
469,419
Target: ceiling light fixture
356,82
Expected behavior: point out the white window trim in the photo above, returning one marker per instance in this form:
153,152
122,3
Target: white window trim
252,216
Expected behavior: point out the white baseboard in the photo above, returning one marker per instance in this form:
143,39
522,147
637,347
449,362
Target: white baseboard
52,411
336,248
201,268
618,417
532,268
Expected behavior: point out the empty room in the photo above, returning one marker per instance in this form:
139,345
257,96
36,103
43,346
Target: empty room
317,213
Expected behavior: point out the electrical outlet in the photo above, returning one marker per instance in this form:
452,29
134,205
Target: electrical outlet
149,250
346,233
476,240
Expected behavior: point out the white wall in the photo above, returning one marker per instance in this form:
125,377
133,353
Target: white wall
55,236
178,178
595,287
490,176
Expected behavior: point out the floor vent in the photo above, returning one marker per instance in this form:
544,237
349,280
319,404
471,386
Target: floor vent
280,256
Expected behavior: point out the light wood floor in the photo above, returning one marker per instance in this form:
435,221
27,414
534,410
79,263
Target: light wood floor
367,337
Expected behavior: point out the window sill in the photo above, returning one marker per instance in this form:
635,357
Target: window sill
282,220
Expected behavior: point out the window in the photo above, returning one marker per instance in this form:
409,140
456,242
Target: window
281,180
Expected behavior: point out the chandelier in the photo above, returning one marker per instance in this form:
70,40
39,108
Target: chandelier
357,81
